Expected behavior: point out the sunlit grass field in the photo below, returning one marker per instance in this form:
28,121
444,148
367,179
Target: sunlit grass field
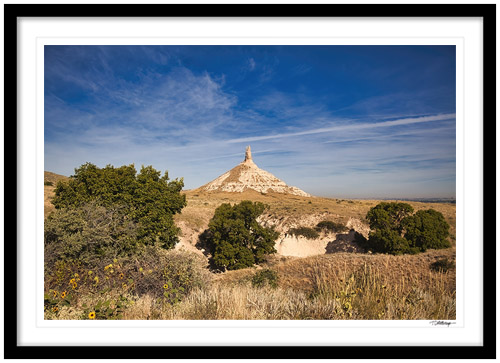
337,286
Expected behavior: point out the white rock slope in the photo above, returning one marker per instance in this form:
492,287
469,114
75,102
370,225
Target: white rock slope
247,175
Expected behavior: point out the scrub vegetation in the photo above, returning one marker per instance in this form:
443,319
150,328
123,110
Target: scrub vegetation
112,252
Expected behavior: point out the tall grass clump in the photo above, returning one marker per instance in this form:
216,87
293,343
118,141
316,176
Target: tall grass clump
366,293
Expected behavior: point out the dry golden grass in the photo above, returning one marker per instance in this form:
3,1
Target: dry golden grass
329,287
397,271
320,288
52,178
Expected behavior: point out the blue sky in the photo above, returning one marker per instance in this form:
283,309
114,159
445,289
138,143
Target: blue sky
335,121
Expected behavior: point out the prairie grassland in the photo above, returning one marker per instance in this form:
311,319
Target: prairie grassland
340,294
337,286
178,285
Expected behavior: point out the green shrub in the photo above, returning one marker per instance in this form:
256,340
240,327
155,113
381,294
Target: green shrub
163,274
49,183
388,241
265,277
305,232
331,226
396,231
88,234
168,274
427,229
235,239
148,199
388,216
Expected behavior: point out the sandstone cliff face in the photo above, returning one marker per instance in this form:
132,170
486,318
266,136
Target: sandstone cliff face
247,175
328,242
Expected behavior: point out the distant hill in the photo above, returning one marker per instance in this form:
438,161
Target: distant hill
430,200
50,181
49,177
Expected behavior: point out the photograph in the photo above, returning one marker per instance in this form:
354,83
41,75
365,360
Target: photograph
250,182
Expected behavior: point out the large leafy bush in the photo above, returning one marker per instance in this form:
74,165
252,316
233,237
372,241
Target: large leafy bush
396,231
88,234
235,239
388,216
427,229
147,199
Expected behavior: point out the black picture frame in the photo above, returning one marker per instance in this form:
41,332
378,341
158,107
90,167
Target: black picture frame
14,11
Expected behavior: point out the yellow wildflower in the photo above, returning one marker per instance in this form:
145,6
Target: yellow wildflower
63,295
92,315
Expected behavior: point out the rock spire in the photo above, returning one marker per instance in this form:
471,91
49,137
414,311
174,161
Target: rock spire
247,175
248,154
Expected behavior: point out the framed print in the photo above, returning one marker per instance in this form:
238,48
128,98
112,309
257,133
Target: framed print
292,181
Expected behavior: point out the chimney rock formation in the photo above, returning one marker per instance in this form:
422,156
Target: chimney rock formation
247,175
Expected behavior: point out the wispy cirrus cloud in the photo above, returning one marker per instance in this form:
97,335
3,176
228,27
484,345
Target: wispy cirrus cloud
353,126
191,111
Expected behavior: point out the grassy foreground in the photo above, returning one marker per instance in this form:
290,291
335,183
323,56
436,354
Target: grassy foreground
177,285
339,286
